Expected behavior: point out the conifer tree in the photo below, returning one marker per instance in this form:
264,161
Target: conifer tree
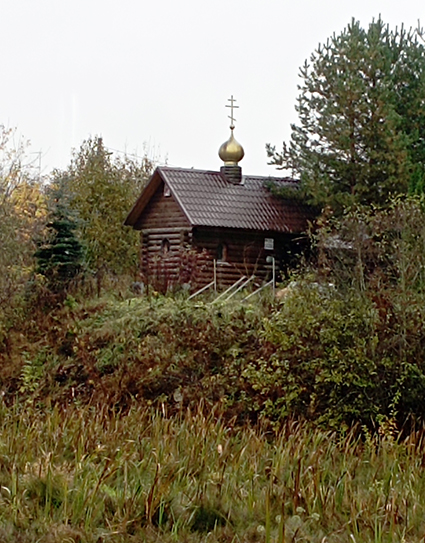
361,132
60,257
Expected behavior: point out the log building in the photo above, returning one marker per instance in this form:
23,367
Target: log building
195,223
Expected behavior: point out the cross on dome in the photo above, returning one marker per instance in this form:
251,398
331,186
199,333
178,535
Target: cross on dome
231,152
232,107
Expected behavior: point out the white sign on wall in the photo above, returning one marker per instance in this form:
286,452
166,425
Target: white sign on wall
269,244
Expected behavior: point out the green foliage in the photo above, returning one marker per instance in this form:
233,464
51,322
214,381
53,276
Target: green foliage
323,366
347,345
61,258
103,191
31,373
380,254
361,121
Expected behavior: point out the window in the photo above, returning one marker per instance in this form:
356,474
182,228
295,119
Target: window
167,190
165,246
222,252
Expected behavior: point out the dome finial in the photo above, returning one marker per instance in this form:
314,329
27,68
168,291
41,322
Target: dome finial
231,152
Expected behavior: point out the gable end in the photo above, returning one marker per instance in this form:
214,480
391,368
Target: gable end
156,207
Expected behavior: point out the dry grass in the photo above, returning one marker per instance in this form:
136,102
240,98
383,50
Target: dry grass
84,475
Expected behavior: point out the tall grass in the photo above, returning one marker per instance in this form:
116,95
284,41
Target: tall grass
88,475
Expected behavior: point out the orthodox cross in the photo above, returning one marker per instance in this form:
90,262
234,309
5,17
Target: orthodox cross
232,107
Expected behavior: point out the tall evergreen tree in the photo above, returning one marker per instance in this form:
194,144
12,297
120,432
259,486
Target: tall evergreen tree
361,131
60,257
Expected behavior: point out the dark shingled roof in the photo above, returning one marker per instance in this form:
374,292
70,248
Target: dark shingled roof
208,200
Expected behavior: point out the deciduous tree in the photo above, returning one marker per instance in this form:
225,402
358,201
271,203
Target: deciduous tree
103,191
21,212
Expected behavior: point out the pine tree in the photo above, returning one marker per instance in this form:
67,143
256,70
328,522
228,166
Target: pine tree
361,132
60,257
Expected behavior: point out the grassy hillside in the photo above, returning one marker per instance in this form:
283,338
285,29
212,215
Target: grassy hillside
321,354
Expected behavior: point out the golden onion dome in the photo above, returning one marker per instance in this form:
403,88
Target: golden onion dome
231,152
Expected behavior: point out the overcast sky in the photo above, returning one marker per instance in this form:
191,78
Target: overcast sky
158,73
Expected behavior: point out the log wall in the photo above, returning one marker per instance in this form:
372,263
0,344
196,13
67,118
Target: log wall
162,212
243,254
165,240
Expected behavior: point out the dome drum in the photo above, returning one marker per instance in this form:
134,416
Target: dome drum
232,173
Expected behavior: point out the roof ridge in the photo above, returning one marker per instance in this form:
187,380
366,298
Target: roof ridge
215,172
194,170
272,178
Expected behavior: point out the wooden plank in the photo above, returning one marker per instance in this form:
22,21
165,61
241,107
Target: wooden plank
166,230
170,236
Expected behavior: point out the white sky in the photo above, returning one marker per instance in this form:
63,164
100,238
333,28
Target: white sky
159,72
